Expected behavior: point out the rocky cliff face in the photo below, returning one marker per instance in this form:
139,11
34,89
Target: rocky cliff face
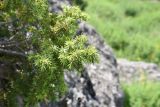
98,86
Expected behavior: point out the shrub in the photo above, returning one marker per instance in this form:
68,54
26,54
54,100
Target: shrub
42,45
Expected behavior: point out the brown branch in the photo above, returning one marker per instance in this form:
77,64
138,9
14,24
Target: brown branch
12,53
7,44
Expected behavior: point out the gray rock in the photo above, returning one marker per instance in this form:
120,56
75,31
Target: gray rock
137,70
56,5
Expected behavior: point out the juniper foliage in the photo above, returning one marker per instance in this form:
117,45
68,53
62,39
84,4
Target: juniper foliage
43,45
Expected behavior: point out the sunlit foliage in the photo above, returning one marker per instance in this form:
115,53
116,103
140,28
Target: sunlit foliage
45,44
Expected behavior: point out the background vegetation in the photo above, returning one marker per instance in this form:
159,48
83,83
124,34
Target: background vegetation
142,94
131,27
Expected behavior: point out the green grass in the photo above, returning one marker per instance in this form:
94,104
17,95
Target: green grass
131,27
142,94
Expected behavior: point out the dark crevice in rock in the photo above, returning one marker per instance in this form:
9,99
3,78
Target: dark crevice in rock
88,88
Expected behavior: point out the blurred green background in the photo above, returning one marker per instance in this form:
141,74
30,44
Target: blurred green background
130,27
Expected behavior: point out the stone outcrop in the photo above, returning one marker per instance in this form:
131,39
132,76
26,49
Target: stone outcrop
133,71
